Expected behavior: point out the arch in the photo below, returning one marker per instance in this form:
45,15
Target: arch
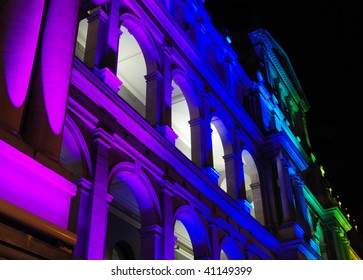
223,130
230,249
195,229
138,63
222,145
122,251
74,154
184,107
137,29
141,188
252,185
189,92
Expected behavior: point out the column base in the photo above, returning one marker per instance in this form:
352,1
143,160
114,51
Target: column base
168,133
289,231
211,173
109,78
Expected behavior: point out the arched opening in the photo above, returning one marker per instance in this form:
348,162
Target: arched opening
252,186
183,249
124,220
184,108
122,251
230,249
223,256
133,207
191,239
222,149
218,161
180,120
131,70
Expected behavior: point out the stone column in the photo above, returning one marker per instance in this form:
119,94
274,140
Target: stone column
96,37
166,107
198,141
301,209
98,208
79,216
214,240
164,113
240,183
168,221
346,246
339,250
20,23
241,186
231,164
284,183
207,145
151,242
154,98
102,44
258,203
43,124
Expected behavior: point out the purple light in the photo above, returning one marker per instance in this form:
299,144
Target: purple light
21,24
33,187
56,59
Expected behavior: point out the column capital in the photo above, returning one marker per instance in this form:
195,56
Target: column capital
108,77
97,13
153,75
101,136
83,184
229,157
151,230
196,121
166,187
168,133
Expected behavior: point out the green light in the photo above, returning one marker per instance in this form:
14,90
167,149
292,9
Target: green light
313,158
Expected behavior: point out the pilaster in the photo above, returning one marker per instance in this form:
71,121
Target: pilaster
151,242
98,211
287,199
198,136
231,164
168,220
154,98
79,216
214,240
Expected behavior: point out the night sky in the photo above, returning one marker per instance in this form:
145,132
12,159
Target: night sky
323,41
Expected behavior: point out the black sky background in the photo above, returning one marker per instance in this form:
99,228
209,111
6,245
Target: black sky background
323,41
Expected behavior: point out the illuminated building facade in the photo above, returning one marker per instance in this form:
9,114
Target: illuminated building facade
129,130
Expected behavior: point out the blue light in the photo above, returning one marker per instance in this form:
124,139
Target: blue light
228,39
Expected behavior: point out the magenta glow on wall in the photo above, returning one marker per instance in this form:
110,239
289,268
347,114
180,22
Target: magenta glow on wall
30,185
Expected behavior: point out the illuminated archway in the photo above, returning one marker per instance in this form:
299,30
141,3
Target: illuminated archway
131,70
134,207
230,249
184,108
191,236
222,148
252,186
